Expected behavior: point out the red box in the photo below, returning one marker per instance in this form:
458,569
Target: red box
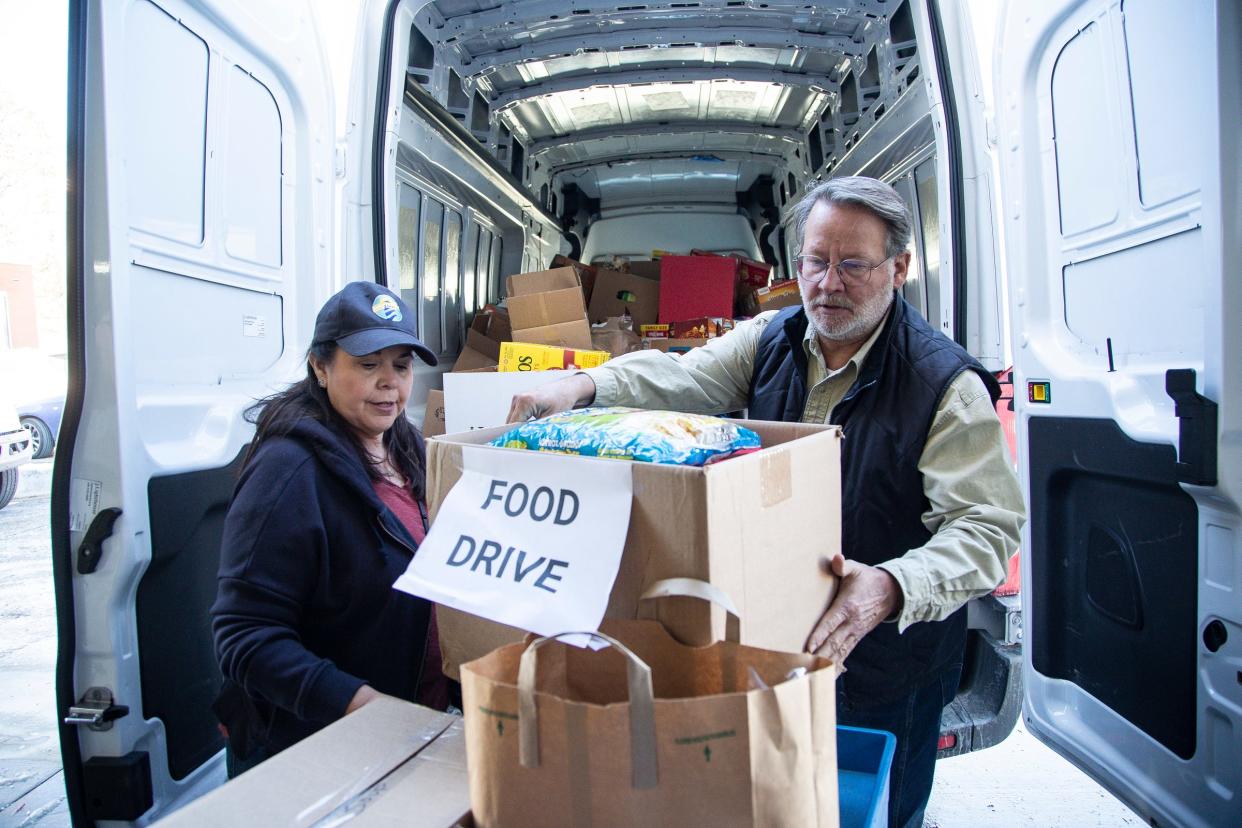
692,287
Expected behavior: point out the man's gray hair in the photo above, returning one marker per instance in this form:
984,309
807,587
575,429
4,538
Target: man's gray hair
869,193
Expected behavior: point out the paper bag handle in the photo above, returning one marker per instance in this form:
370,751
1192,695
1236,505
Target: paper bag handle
644,772
694,588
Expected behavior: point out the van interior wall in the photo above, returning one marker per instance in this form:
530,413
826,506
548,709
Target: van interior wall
591,113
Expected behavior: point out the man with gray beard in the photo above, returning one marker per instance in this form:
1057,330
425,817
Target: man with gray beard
931,509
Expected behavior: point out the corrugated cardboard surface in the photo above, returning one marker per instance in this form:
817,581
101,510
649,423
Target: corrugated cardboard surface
549,307
575,335
389,763
539,281
756,526
480,352
433,417
609,298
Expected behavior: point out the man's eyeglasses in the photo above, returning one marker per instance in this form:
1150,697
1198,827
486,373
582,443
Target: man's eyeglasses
853,272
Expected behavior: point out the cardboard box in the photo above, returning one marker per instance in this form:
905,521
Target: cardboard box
493,322
751,273
539,281
389,763
646,269
779,295
549,307
756,526
586,274
704,328
696,286
573,335
524,356
433,415
479,352
617,292
673,346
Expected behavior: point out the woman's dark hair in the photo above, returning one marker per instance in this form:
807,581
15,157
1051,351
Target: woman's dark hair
275,416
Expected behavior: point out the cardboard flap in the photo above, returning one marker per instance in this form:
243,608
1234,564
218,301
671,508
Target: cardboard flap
539,281
549,307
575,335
480,352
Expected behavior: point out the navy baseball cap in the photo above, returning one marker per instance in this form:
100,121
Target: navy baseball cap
364,318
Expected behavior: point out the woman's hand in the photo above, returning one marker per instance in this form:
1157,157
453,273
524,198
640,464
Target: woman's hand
365,695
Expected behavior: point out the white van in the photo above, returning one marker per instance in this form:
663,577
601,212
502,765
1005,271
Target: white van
236,161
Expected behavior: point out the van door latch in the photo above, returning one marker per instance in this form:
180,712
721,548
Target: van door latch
100,530
96,710
1196,439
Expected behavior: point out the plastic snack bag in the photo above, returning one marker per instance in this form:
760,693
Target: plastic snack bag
667,437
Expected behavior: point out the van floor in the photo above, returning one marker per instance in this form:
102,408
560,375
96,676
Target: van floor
1018,782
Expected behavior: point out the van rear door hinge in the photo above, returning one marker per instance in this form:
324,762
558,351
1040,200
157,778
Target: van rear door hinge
1196,439
96,710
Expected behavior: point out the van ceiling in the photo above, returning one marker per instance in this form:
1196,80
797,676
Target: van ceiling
567,85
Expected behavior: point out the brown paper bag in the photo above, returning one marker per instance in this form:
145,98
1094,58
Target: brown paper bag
650,732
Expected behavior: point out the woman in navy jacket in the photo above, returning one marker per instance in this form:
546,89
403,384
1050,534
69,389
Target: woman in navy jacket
327,514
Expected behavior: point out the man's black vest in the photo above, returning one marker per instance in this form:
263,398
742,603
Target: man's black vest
886,416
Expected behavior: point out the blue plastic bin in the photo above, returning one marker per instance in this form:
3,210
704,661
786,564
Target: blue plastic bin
864,757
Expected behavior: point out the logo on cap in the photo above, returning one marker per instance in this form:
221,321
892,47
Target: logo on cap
385,307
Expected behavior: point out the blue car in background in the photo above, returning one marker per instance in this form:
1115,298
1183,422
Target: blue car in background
36,382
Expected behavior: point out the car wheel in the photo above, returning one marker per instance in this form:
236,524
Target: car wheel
40,437
8,486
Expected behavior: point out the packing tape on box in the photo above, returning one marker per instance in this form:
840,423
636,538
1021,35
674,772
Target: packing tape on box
775,478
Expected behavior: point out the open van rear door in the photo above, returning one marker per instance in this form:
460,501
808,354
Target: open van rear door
1120,164
200,239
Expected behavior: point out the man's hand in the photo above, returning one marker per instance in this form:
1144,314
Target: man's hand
865,596
553,398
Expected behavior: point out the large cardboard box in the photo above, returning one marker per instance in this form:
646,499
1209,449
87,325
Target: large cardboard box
389,763
617,292
695,286
548,307
575,336
538,281
757,526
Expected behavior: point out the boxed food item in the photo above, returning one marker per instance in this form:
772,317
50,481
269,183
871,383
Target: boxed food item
703,328
779,295
673,346
756,526
654,331
696,286
525,356
752,273
377,766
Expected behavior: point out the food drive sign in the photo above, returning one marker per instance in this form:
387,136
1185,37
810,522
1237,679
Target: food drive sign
527,539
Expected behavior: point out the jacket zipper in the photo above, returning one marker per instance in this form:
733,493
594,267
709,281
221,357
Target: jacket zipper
422,661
